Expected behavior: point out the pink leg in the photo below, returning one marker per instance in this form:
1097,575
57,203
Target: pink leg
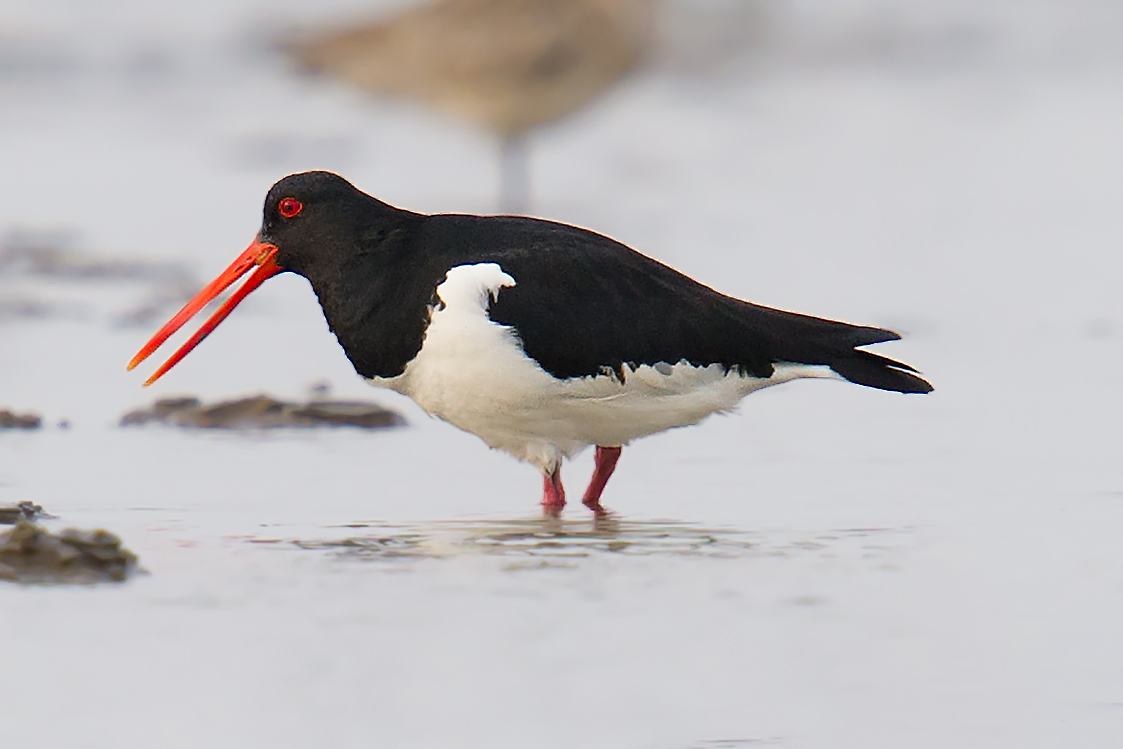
606,464
553,493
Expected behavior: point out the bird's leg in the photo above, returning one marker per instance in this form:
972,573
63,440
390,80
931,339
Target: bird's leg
606,464
514,174
553,493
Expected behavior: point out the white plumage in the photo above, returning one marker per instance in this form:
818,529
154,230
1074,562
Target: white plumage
473,373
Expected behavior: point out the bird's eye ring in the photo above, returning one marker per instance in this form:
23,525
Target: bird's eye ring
289,207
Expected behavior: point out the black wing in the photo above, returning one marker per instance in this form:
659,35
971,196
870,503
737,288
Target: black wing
584,305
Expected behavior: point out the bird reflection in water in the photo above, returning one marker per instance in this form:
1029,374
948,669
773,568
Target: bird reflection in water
553,541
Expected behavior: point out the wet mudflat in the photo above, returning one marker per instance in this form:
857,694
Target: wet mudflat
832,567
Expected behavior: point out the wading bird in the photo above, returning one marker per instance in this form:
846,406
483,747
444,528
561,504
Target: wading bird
540,338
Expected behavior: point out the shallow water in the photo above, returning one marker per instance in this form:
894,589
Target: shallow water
831,567
549,541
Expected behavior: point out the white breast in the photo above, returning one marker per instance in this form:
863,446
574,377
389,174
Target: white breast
474,374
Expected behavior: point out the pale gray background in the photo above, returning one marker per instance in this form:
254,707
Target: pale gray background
903,571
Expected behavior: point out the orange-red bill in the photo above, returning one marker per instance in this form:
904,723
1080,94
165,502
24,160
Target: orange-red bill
259,257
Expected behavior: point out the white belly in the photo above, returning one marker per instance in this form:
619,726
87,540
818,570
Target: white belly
473,373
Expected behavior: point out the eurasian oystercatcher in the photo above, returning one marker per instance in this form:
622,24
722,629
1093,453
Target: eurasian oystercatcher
509,65
538,337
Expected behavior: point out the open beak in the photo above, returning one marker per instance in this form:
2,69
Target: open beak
257,257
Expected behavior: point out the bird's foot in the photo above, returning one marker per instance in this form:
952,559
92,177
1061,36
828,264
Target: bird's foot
552,509
605,464
598,509
553,494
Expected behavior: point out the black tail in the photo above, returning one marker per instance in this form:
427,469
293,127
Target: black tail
872,370
814,340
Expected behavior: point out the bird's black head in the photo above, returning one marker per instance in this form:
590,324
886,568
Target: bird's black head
316,224
315,219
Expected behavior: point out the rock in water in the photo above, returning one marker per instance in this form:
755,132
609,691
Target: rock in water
263,412
32,554
10,420
12,514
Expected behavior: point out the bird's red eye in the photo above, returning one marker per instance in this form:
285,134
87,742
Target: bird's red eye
289,207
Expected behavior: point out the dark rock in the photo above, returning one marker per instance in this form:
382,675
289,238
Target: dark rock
9,420
32,554
346,413
12,514
264,412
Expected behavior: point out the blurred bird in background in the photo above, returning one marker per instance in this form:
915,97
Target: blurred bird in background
508,65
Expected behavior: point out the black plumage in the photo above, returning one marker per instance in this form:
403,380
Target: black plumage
583,304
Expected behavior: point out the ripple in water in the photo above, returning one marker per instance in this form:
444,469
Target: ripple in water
556,540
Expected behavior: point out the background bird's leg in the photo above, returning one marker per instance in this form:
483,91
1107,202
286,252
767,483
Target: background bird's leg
553,493
514,174
606,464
